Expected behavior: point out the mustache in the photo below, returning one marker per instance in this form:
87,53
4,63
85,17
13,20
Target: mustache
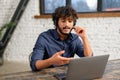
66,27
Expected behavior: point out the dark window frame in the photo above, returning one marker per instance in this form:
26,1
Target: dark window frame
99,12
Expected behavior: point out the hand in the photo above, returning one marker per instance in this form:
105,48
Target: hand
80,31
58,60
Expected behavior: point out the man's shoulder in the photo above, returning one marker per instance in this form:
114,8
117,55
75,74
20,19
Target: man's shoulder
48,32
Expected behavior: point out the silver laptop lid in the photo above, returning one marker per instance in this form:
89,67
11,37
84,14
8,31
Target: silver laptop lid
87,68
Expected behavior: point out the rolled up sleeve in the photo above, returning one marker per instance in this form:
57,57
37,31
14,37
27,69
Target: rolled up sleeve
38,53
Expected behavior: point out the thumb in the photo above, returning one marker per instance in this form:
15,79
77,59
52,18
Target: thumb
61,52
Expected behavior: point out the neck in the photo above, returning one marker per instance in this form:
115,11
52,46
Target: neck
62,36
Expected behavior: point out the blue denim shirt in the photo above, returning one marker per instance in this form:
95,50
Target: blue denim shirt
49,42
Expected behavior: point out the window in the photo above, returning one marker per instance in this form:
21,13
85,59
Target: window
84,5
88,7
111,5
50,5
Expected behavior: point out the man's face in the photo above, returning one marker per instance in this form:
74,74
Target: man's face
65,25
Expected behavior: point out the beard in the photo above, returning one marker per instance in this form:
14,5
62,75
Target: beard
65,30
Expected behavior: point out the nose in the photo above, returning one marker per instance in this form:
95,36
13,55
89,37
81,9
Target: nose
66,23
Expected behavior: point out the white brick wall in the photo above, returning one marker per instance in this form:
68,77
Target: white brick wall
103,33
7,8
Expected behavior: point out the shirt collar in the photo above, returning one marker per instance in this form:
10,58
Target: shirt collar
55,34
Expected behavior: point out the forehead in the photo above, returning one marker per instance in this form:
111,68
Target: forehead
66,18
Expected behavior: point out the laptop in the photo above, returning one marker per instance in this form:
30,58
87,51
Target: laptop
85,68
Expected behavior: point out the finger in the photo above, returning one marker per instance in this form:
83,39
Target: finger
79,30
66,59
61,52
76,28
66,62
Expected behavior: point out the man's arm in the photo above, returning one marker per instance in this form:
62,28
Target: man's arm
56,59
87,48
82,33
41,64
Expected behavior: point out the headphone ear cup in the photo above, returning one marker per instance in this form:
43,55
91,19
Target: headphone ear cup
74,23
55,23
54,20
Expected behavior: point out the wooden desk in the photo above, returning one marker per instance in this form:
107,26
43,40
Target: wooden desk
112,72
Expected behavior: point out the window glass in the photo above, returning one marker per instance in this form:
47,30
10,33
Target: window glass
110,5
84,5
50,5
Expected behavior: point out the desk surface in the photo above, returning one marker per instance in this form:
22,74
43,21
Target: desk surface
112,72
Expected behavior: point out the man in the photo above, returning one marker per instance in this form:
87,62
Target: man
56,47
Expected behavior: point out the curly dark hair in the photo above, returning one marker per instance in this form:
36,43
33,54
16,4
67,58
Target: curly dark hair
64,12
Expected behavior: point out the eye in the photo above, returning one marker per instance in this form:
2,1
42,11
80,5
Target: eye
70,21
